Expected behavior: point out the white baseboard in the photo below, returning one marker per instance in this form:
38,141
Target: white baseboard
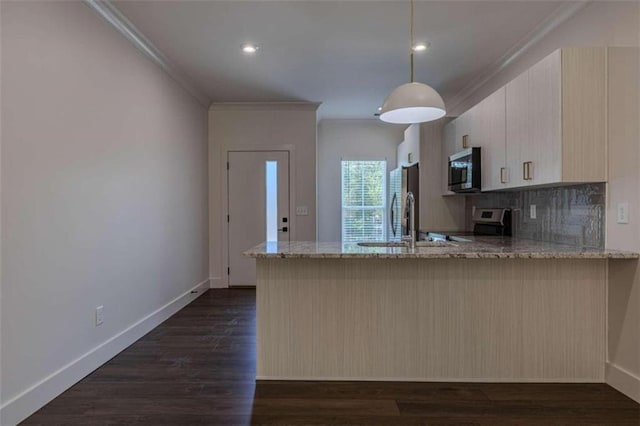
28,402
623,380
218,282
425,379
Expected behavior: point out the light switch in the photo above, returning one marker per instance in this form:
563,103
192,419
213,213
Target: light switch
302,211
623,212
533,211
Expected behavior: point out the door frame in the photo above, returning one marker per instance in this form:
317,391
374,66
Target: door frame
290,149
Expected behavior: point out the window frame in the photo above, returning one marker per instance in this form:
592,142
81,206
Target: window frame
383,207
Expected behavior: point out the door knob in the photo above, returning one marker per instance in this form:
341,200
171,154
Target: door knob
284,229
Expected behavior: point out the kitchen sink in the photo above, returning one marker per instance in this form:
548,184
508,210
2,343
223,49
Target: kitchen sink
382,244
434,243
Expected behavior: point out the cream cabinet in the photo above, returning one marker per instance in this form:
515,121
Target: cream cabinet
555,120
542,152
517,121
449,147
408,151
463,127
533,125
482,126
488,132
547,126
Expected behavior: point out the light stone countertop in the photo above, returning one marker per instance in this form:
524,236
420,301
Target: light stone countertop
476,248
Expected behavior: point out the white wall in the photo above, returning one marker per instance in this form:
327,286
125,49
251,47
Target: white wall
351,139
624,187
246,126
604,23
104,197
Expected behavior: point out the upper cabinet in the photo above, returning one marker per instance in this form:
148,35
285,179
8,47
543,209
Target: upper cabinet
583,106
449,148
489,134
541,153
547,126
517,131
408,151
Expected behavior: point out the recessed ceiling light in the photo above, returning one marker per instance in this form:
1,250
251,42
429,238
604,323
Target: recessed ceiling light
249,48
379,108
420,47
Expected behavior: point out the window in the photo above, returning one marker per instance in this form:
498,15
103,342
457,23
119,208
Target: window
363,201
271,179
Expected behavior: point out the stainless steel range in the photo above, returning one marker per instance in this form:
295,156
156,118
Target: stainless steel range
492,222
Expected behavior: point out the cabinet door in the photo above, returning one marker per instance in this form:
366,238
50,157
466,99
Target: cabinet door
471,125
462,129
489,135
517,129
448,148
543,152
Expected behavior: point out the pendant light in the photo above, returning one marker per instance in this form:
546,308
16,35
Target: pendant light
412,102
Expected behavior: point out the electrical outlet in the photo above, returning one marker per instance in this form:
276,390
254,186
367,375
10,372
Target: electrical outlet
302,211
623,213
99,315
533,211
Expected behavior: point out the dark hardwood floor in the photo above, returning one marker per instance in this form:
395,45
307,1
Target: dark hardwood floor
198,368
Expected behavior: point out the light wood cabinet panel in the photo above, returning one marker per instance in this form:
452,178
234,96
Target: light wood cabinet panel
584,147
518,114
502,320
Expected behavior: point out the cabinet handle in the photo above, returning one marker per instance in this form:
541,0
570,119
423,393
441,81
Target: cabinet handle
526,170
502,179
465,141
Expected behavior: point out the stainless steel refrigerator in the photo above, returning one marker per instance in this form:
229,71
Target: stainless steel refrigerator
401,181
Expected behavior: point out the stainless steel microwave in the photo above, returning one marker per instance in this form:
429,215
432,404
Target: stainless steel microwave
465,173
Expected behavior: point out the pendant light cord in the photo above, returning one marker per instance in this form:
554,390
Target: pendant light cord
411,39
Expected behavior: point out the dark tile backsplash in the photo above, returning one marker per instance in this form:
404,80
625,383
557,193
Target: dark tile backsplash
566,214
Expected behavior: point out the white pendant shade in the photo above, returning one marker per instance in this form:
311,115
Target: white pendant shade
412,103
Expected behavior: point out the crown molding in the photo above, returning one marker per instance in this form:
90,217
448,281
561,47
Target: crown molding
107,11
559,15
263,106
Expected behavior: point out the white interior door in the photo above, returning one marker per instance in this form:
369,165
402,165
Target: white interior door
258,201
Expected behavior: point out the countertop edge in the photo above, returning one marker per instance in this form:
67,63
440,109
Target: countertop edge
475,248
610,256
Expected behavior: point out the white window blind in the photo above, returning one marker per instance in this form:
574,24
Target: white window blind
363,201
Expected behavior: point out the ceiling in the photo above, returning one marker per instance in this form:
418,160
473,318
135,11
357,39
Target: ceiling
348,55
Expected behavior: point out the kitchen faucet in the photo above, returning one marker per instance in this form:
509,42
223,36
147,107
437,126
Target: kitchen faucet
410,203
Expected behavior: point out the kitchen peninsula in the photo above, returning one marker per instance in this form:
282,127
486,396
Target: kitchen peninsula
490,309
